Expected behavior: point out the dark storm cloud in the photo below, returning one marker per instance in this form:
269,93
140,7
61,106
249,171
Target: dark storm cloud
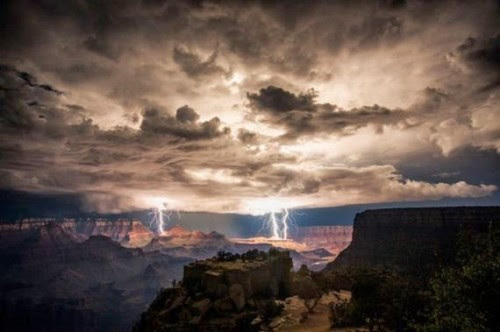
88,157
183,125
277,100
30,81
86,108
186,114
482,53
102,47
82,72
14,79
376,29
285,35
28,106
369,33
301,115
186,153
193,66
461,164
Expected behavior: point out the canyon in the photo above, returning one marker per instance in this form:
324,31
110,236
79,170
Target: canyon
99,274
252,292
54,280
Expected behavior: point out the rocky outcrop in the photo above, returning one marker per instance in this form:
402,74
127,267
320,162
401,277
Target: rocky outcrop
262,275
178,231
138,235
224,293
333,238
413,240
181,242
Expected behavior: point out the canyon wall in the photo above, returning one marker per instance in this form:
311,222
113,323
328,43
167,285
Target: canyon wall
130,233
412,239
332,238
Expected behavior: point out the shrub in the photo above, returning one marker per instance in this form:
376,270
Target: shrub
466,297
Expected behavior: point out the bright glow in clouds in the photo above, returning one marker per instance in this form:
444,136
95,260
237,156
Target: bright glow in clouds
263,206
236,78
234,82
276,214
186,115
207,174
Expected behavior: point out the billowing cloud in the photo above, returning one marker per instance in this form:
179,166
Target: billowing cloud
238,106
481,53
277,100
183,125
302,116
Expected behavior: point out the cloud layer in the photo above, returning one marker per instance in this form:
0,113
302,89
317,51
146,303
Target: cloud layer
249,106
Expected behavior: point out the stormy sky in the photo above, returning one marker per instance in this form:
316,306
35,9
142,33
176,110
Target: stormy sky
250,106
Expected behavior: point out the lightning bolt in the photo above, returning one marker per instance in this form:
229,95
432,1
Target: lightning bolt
160,215
279,226
161,221
284,222
158,219
274,225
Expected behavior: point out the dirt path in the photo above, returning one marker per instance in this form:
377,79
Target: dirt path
317,321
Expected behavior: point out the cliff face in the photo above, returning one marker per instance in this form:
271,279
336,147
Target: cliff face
412,240
333,238
225,293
